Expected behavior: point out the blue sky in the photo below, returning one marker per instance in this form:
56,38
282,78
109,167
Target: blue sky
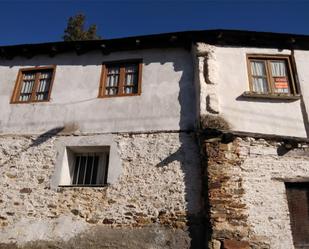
44,20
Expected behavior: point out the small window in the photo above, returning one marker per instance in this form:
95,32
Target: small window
121,79
90,169
271,75
84,166
33,85
298,201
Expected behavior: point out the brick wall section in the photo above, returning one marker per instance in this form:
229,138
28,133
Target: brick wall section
246,192
160,185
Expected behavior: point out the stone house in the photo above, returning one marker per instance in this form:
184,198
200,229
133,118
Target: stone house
182,140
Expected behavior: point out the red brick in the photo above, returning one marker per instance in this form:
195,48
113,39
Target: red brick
235,244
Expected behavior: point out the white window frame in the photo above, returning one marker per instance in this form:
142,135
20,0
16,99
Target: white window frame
67,147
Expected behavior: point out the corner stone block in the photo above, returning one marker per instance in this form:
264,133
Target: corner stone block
235,244
216,244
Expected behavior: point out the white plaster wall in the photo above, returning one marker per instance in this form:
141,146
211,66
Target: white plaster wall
74,102
264,173
302,65
278,117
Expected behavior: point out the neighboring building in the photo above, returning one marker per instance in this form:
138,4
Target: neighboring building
191,139
253,89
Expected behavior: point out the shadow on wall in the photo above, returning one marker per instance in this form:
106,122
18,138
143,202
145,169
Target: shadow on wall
36,142
187,154
278,100
189,157
46,136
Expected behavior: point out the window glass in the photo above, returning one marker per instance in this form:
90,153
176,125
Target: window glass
131,80
260,84
270,75
112,81
121,79
44,84
28,80
33,85
280,77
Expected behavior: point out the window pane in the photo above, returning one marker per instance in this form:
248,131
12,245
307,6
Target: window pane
111,91
113,70
27,86
260,85
44,84
279,75
258,68
112,81
131,69
278,68
131,79
128,90
259,80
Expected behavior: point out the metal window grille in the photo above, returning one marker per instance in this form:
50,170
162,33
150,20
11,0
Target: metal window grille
90,169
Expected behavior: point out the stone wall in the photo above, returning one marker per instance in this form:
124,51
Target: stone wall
247,197
156,200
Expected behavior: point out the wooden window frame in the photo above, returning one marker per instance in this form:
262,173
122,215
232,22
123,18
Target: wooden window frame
266,58
16,91
121,65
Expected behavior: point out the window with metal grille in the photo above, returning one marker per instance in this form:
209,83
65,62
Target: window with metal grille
271,75
121,79
33,85
90,169
298,201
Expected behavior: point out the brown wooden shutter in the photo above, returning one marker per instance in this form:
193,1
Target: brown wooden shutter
298,201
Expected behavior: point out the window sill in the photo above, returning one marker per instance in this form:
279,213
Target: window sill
84,186
121,95
29,102
271,96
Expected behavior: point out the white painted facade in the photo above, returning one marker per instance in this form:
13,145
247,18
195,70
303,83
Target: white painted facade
74,99
227,80
169,93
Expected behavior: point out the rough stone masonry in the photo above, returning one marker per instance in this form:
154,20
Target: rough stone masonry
246,190
154,204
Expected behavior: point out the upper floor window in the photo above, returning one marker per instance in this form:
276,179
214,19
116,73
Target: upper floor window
121,79
33,85
271,75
